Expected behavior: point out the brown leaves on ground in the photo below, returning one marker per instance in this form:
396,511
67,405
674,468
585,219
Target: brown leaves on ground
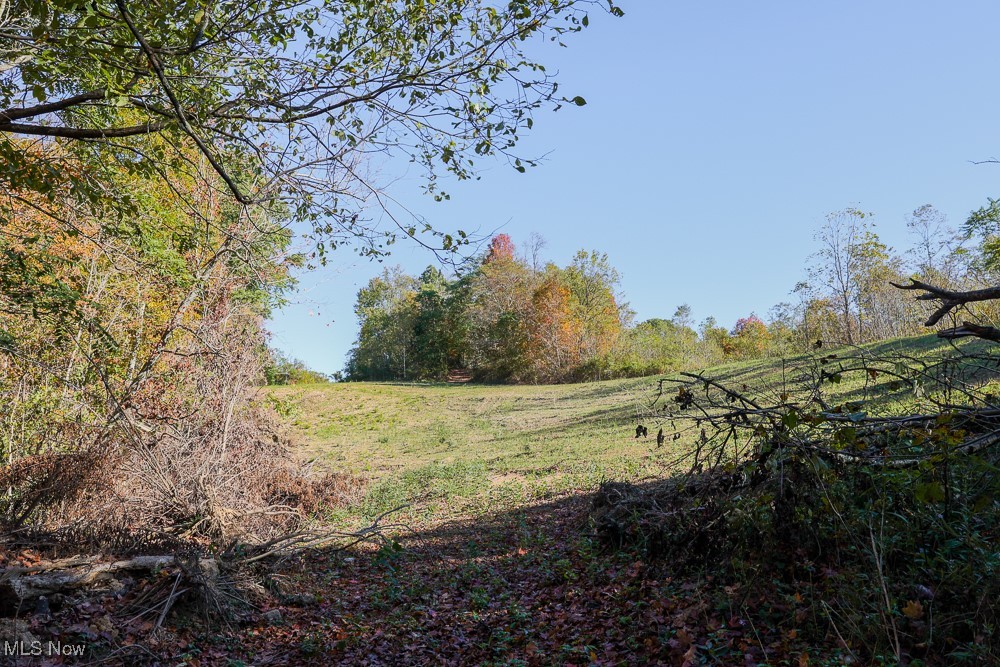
523,588
526,587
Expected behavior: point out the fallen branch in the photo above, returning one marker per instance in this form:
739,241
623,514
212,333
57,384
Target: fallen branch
169,602
971,329
303,540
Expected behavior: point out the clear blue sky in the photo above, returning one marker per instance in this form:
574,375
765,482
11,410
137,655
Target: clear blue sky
717,135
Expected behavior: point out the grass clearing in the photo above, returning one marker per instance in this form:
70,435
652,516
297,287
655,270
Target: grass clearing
467,445
457,450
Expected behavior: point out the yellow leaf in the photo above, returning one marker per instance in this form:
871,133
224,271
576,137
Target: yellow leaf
913,609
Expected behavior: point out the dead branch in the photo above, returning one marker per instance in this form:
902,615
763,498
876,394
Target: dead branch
949,299
790,426
304,540
971,329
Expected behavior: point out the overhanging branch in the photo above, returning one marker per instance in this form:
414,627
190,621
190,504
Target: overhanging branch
10,115
157,67
970,329
83,132
949,299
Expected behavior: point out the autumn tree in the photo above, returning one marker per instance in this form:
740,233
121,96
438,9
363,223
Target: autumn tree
553,330
507,322
593,283
500,311
501,249
749,338
139,351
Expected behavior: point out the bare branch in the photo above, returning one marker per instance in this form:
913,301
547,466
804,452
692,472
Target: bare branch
10,115
949,299
970,329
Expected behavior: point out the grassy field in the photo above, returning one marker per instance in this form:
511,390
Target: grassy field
459,448
494,561
452,450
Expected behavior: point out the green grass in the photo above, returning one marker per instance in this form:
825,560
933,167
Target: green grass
465,449
475,444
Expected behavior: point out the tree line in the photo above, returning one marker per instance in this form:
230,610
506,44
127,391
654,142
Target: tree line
508,317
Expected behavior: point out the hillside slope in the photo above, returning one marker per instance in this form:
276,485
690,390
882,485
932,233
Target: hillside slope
449,449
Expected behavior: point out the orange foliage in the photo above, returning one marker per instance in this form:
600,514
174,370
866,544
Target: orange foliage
553,330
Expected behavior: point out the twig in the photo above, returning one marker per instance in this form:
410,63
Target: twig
304,540
169,602
827,609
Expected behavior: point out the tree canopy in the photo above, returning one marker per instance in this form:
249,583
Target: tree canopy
286,100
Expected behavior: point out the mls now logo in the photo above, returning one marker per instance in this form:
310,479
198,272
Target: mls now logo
38,648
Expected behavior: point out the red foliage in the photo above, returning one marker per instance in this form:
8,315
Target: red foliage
750,338
749,326
501,249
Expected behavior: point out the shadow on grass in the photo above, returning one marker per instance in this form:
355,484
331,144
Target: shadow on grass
519,586
523,586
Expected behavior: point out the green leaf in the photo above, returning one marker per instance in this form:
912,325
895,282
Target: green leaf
930,492
845,436
578,101
982,502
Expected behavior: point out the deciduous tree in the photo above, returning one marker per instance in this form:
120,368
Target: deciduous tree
286,100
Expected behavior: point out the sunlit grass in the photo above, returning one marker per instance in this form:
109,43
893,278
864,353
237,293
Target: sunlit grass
457,449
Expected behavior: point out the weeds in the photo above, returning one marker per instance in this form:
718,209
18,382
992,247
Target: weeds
885,527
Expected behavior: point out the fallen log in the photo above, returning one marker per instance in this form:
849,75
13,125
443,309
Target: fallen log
20,586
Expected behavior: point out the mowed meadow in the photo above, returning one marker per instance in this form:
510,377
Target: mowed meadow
441,450
444,447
